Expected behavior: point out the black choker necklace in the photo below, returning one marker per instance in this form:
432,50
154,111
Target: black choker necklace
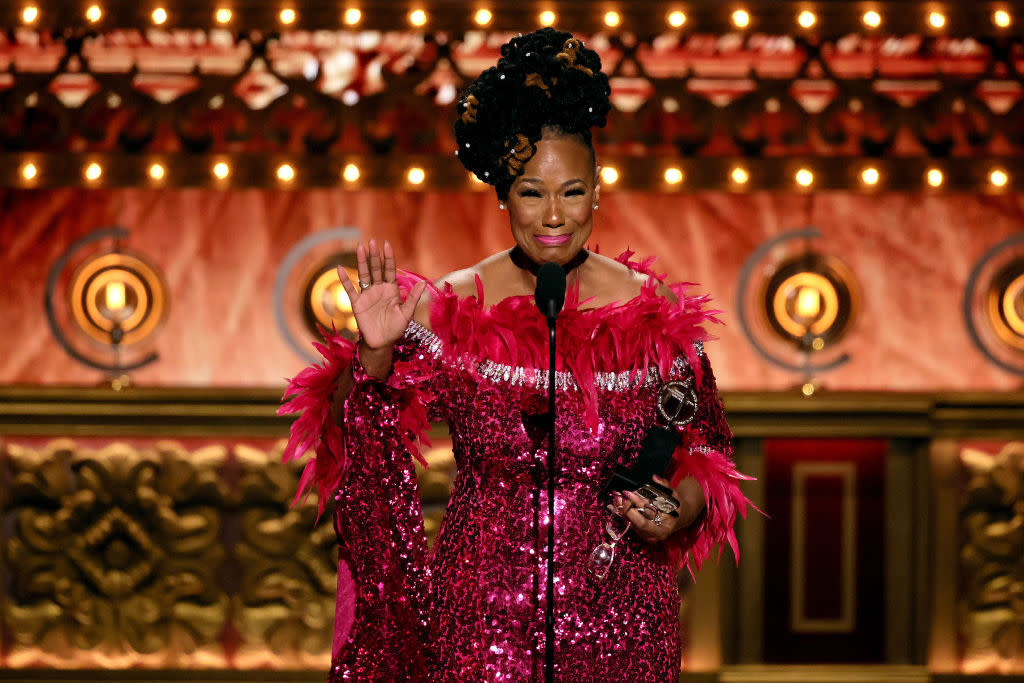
520,258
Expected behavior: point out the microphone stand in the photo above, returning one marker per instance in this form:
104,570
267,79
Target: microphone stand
549,610
550,297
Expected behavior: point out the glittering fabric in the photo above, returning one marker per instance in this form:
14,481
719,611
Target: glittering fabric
472,609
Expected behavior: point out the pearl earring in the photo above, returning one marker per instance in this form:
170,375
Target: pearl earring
595,207
501,205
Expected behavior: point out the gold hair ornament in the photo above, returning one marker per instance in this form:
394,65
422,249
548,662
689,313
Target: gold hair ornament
469,116
569,53
516,158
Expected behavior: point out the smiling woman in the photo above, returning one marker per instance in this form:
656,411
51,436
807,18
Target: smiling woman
472,349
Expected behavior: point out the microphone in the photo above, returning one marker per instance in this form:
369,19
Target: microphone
550,293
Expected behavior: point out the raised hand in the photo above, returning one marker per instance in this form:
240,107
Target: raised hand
377,303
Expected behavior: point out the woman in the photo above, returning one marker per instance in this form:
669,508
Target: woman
472,350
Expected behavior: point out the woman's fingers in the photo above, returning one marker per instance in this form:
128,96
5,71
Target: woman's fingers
411,301
390,271
376,263
362,265
350,288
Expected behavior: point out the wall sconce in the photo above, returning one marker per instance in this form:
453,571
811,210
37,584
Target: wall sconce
802,307
993,305
307,299
112,305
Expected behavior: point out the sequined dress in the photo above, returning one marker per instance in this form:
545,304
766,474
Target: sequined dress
472,608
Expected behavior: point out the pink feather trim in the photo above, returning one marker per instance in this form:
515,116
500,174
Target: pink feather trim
647,330
719,479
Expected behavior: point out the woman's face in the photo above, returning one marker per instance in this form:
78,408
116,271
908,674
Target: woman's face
551,205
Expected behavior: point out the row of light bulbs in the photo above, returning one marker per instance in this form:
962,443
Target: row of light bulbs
418,17
804,177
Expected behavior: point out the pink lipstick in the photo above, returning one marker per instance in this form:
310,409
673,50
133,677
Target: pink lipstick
552,240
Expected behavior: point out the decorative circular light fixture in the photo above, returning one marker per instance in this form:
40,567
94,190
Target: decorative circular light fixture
94,13
115,301
673,175
352,16
159,16
612,19
308,299
546,18
872,19
676,19
993,305
934,177
223,15
483,17
1001,18
30,14
609,174
801,309
741,18
351,173
806,19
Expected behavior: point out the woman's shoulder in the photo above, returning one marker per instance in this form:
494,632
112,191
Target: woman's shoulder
460,283
620,280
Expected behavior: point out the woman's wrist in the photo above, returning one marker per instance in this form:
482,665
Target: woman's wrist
376,362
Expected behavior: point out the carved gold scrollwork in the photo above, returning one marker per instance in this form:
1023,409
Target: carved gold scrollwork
114,554
285,604
992,560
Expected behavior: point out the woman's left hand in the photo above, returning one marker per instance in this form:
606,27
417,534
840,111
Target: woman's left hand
629,507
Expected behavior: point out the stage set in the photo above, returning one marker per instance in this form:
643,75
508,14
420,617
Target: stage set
179,179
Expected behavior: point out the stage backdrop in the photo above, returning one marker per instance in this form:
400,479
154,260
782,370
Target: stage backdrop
220,251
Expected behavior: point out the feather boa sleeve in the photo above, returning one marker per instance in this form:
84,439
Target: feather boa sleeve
365,461
705,453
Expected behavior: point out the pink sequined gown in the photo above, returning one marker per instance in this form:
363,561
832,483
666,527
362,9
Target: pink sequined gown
472,608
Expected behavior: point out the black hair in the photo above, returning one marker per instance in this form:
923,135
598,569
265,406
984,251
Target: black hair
544,80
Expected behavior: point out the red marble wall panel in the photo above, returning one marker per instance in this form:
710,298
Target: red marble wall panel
220,250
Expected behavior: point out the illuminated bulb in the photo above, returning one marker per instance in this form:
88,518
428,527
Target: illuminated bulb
934,177
804,177
612,18
482,17
94,13
547,18
29,171
872,19
221,170
159,15
351,173
818,344
114,295
609,175
869,176
676,19
1001,18
287,16
998,178
808,302
673,176
416,175
156,172
936,20
740,175
285,173
807,389
93,171
352,16
223,15
806,19
740,18
417,17
30,14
